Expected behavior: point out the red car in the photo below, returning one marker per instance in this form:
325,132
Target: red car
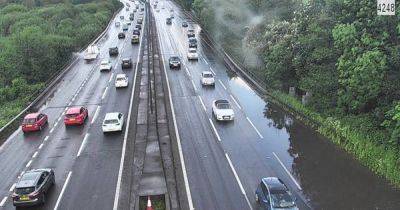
34,122
76,116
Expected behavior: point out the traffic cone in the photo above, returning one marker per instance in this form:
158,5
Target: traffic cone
149,207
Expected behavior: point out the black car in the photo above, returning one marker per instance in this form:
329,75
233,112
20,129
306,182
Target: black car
113,51
126,63
272,193
139,27
31,189
169,21
174,62
121,35
142,9
192,42
131,18
190,33
185,24
136,32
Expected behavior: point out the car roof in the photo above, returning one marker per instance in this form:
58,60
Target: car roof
192,48
274,184
206,72
174,57
111,116
135,36
126,59
121,75
31,115
34,175
221,101
74,110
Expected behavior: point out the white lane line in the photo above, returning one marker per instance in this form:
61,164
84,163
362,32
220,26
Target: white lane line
238,180
287,171
234,100
251,123
83,144
3,201
205,61
62,190
46,138
28,164
73,98
222,84
69,104
22,173
51,130
55,124
212,70
178,138
66,108
35,154
111,77
12,188
194,86
104,93
187,71
202,103
121,163
96,113
41,145
215,130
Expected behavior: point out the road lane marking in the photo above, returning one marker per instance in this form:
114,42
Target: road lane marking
51,130
215,130
121,163
222,84
205,61
211,69
3,201
35,154
66,108
73,98
28,164
187,71
287,171
83,144
69,104
178,138
202,104
111,77
251,123
62,191
194,86
12,188
46,138
55,124
22,173
234,100
104,93
41,145
96,113
238,180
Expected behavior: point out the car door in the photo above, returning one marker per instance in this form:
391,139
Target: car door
121,119
40,119
46,182
265,198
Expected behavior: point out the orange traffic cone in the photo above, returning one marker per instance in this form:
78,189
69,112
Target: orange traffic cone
149,207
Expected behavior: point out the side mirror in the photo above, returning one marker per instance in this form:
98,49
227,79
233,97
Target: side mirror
265,201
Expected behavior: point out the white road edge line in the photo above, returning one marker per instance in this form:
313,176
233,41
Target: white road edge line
215,130
3,201
12,187
205,60
46,138
238,180
212,70
83,144
35,154
96,113
222,84
251,123
287,171
28,164
234,100
51,130
178,138
104,93
121,164
62,190
194,86
111,77
202,103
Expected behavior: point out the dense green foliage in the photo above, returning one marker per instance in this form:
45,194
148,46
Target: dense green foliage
37,38
340,51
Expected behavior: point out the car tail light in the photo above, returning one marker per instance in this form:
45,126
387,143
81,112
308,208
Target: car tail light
15,196
33,194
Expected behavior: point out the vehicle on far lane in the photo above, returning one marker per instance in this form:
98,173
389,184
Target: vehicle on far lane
125,27
192,42
222,110
184,24
121,35
121,80
34,122
273,194
105,65
191,33
113,51
135,39
91,53
121,17
32,187
168,21
207,78
192,54
117,24
138,26
76,116
136,32
174,62
113,121
140,20
126,63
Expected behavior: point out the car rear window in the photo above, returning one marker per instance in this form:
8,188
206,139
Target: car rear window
207,75
24,190
223,106
29,121
110,121
121,79
71,115
192,50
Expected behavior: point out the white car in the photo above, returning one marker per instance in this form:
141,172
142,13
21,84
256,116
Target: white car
117,24
105,65
121,80
207,78
113,121
192,54
222,110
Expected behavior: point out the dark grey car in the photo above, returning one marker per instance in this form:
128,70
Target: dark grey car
272,194
126,63
33,186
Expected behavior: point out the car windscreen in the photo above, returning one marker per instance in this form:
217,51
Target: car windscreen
282,199
192,50
71,115
121,79
174,58
113,121
207,75
223,106
24,190
29,121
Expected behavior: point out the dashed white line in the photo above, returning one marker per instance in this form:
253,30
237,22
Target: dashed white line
96,113
215,130
238,180
51,130
194,86
202,103
55,124
234,100
3,201
73,98
66,108
69,104
222,84
35,154
28,164
12,188
187,71
111,77
287,171
83,144
251,123
104,93
46,138
22,173
205,61
41,145
62,190
212,70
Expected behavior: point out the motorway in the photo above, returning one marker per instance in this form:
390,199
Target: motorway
85,161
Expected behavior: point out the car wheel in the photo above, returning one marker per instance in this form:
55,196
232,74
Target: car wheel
40,128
